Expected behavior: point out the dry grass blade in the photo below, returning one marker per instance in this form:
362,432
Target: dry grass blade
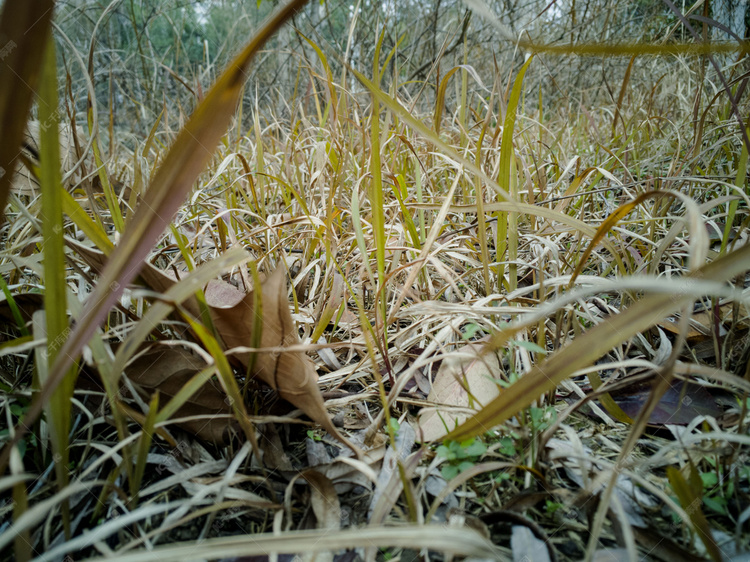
437,538
187,158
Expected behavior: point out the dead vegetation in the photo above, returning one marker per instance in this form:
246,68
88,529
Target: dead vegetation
498,326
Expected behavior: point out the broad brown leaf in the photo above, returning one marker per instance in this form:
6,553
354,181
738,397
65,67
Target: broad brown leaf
291,373
24,28
168,369
681,403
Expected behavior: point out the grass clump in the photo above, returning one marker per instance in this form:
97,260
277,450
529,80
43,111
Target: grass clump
581,260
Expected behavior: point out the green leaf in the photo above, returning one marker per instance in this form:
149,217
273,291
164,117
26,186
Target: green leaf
449,471
710,479
395,426
529,346
717,505
476,449
466,465
447,453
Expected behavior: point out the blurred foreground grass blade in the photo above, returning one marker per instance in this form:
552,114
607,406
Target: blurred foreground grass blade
192,150
55,303
587,348
635,49
463,541
24,29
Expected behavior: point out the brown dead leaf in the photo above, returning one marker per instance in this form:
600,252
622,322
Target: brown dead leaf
168,369
324,500
464,379
681,403
291,373
27,303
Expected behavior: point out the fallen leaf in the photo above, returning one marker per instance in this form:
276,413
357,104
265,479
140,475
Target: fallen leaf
526,546
405,439
290,373
274,455
168,369
681,403
324,501
465,379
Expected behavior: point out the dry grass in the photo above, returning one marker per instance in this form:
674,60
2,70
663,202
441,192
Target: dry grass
578,253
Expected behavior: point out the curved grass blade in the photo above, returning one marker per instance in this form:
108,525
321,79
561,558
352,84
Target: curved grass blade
509,222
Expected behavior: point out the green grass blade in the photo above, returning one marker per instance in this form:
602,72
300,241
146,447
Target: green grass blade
740,183
13,307
185,393
176,294
55,302
507,180
88,226
226,376
109,194
144,444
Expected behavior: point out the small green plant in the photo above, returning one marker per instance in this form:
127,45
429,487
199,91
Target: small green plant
470,331
460,456
508,445
314,436
542,418
719,485
551,507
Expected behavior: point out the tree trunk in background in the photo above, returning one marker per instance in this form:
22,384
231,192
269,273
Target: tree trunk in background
730,13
